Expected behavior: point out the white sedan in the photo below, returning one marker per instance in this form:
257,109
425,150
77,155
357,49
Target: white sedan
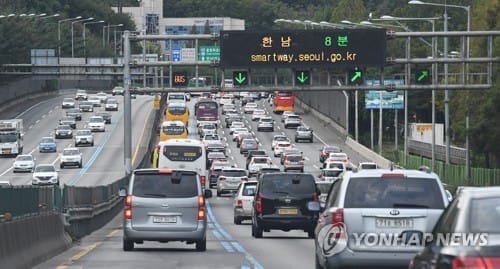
278,148
249,108
24,163
257,114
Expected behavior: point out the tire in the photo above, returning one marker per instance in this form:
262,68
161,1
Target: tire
201,245
218,193
310,234
302,170
128,245
296,140
80,165
256,231
317,265
311,140
61,166
237,220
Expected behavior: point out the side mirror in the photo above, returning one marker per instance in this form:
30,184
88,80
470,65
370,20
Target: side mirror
122,192
313,206
449,195
208,193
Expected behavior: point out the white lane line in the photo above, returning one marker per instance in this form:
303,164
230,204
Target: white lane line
315,166
319,138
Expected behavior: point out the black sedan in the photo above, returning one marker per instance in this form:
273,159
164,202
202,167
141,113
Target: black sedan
467,235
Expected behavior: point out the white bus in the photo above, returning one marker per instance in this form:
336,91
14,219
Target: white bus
186,154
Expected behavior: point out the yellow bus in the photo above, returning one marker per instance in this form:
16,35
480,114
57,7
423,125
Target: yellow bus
177,111
173,129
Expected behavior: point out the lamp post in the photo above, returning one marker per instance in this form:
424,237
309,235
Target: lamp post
84,43
51,16
431,20
72,34
59,33
104,32
446,99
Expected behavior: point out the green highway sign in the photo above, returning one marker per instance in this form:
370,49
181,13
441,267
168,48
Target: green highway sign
209,53
240,78
355,77
423,76
302,77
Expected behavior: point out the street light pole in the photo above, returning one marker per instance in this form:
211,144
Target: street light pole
72,35
59,33
446,99
84,43
104,32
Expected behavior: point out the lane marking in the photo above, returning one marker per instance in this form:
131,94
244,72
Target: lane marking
84,252
113,233
141,136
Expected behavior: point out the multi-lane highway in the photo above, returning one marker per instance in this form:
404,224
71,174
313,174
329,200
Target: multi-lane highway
228,245
102,163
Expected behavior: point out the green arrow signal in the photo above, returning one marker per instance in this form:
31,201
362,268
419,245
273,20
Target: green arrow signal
302,78
240,78
357,75
423,74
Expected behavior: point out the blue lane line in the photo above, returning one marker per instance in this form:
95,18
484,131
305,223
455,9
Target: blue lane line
227,246
94,156
235,244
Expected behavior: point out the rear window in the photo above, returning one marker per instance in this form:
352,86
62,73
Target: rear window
249,189
485,215
165,186
393,193
234,173
182,153
289,184
294,158
260,160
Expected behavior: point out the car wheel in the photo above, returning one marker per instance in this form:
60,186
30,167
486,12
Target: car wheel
317,265
296,140
92,144
80,165
128,245
14,171
201,245
218,193
310,234
61,166
302,170
256,231
237,220
311,140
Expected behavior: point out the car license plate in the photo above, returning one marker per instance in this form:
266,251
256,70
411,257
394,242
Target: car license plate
394,223
288,211
164,219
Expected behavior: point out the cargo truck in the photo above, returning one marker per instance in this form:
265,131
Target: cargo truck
11,137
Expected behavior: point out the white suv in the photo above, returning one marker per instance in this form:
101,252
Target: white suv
84,137
71,157
97,124
380,204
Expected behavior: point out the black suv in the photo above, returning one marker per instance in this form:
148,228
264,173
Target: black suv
285,201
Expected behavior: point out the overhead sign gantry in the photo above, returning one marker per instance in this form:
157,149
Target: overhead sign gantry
334,48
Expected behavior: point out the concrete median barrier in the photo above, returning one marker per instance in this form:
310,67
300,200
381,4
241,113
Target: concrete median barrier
28,241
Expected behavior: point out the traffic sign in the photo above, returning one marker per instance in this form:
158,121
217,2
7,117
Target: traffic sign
423,76
330,48
209,53
302,77
176,55
356,77
240,78
179,79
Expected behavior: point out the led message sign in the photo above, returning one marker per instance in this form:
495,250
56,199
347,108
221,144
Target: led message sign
304,48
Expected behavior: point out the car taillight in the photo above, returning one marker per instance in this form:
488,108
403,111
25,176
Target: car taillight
128,207
239,203
258,202
338,216
393,176
203,180
315,196
302,162
201,208
475,262
286,161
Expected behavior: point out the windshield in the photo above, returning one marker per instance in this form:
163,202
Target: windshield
288,184
45,168
8,138
294,158
261,160
95,119
64,127
47,140
173,129
24,158
70,152
83,132
177,110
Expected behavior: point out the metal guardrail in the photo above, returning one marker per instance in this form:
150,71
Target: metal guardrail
457,155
